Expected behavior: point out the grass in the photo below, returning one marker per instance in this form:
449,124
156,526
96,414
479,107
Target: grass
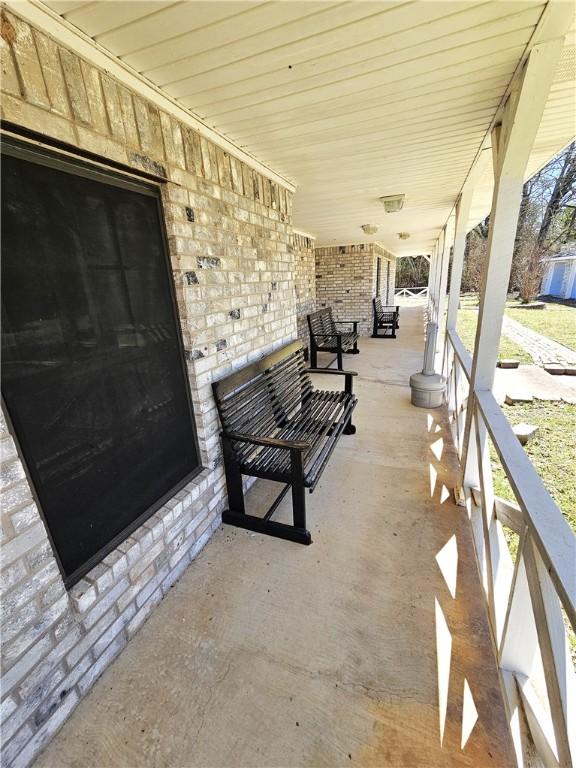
466,327
557,321
552,452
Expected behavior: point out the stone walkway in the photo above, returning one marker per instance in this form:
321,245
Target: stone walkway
532,382
542,349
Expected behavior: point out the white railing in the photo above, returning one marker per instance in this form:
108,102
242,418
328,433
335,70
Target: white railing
413,293
526,595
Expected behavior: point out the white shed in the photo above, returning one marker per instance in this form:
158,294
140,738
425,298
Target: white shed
560,276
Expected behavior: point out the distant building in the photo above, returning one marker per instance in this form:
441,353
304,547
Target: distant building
560,276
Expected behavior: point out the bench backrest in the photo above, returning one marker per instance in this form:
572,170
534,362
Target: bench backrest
381,308
321,323
258,398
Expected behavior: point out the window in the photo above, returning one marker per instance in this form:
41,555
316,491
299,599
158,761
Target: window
93,375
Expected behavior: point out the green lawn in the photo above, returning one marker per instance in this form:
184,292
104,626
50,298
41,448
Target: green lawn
466,327
552,452
557,321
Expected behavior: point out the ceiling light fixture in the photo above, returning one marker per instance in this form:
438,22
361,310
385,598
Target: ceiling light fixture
392,203
369,229
403,235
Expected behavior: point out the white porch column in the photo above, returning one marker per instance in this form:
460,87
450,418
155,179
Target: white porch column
462,215
438,276
460,231
447,244
512,140
434,279
431,280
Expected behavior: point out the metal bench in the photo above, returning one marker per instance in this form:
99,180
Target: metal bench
277,426
325,336
386,318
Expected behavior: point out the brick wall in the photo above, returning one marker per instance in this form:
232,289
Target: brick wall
387,274
229,232
346,280
304,282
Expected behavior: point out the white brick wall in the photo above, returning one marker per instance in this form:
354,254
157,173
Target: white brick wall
346,281
229,234
305,282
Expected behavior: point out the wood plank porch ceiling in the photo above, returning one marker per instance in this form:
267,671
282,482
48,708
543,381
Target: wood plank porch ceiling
350,100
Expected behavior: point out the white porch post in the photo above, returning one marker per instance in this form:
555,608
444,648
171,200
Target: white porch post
448,241
434,278
460,231
431,280
438,276
462,215
512,140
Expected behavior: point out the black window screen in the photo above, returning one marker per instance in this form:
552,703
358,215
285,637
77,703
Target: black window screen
92,369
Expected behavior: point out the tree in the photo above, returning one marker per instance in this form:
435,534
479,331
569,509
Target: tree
475,256
546,222
411,272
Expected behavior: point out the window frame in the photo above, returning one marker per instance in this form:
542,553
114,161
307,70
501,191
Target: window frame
70,164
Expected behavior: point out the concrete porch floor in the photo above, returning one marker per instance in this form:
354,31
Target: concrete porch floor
268,653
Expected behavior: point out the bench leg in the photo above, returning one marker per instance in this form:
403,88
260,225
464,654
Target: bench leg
349,429
339,352
236,514
233,479
298,491
269,527
313,356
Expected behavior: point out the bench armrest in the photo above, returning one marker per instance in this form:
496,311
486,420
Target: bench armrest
347,382
331,371
266,442
353,323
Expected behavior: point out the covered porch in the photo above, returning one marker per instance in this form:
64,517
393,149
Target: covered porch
371,647
221,165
